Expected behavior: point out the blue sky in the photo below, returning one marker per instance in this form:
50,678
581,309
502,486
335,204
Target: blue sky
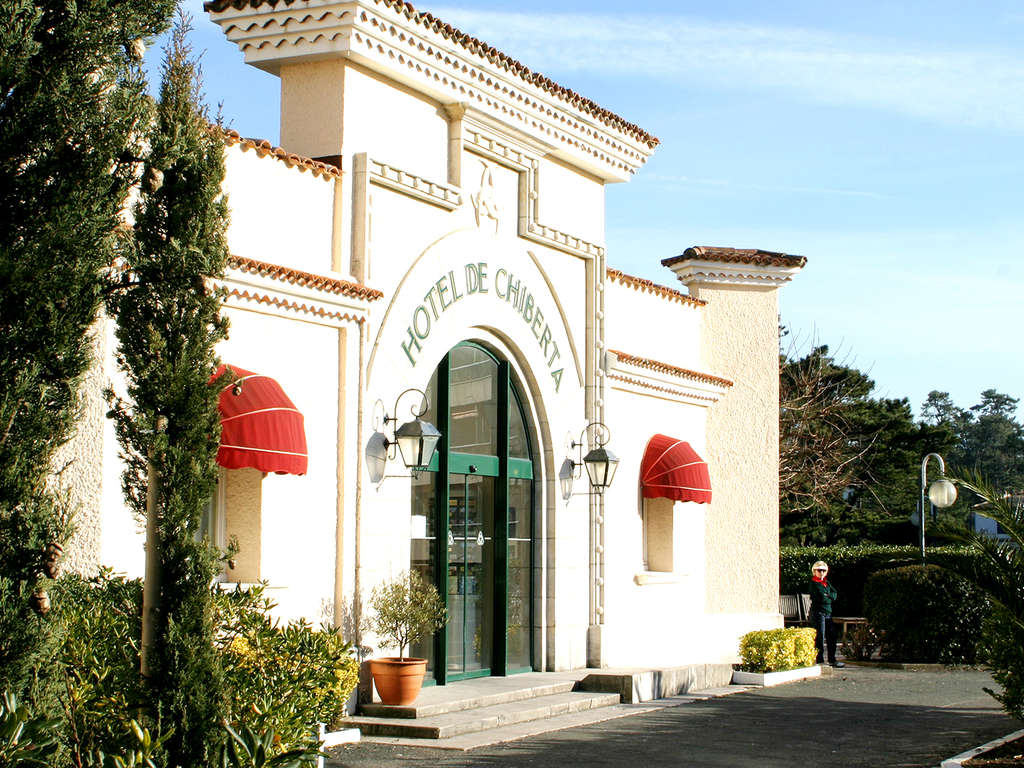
882,140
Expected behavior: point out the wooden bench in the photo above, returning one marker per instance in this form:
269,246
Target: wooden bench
846,622
795,609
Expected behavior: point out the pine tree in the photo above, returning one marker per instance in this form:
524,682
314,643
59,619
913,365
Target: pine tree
168,326
72,102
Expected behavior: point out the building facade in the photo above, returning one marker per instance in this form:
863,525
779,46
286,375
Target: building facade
436,224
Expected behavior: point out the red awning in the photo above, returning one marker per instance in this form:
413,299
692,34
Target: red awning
671,469
260,426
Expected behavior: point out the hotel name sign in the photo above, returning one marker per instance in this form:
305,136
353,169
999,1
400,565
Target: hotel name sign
504,286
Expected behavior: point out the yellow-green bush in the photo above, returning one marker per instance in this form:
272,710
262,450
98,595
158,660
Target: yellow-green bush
281,678
776,650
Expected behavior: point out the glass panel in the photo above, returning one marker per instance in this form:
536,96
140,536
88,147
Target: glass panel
422,557
470,573
520,525
518,442
473,401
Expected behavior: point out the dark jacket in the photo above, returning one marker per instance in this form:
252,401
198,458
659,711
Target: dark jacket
822,596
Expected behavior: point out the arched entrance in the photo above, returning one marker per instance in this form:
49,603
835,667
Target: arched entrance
472,519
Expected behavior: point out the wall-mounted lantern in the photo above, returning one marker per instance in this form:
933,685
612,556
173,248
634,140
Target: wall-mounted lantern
599,461
416,440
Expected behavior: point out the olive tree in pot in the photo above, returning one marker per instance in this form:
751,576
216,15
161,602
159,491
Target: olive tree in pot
405,610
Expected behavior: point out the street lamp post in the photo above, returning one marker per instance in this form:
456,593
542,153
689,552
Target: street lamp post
941,493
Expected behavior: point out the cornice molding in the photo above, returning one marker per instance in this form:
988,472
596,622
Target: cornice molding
643,376
698,272
385,39
276,294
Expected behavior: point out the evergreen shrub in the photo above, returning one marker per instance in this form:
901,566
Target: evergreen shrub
277,680
850,567
777,650
281,679
102,617
1001,647
926,614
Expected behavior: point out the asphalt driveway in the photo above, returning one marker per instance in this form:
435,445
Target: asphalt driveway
860,716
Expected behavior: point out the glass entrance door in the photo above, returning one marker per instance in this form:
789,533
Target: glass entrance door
470,575
472,520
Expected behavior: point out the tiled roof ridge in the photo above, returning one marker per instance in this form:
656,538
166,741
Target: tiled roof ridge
642,284
479,48
264,148
675,370
307,279
754,256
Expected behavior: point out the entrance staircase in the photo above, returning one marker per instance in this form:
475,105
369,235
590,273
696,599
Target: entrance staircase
489,710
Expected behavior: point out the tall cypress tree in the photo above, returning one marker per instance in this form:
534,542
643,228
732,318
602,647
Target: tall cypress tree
168,325
72,106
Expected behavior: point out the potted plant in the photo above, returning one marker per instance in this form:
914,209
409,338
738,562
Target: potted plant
406,609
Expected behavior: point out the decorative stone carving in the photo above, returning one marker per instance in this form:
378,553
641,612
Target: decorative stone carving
485,202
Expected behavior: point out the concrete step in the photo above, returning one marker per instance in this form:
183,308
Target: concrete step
497,691
496,715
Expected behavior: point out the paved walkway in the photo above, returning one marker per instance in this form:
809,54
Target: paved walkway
860,716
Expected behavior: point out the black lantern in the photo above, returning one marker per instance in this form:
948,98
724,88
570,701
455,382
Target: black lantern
599,461
417,439
601,465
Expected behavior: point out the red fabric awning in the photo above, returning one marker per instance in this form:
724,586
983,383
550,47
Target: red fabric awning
671,469
260,426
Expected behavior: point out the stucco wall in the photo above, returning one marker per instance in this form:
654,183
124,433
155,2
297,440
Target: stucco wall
647,325
740,342
393,124
242,502
81,459
304,201
298,514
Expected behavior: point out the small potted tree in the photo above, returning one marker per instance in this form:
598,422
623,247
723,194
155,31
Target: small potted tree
406,609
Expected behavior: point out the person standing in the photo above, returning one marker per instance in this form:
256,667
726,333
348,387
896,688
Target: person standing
823,595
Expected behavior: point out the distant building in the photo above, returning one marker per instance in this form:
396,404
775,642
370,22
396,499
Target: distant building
436,221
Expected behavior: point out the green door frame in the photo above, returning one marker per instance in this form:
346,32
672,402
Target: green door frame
444,464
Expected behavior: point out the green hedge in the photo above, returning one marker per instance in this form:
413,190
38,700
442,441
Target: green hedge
849,568
926,614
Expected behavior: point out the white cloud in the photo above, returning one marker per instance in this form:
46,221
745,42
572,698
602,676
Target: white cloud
957,87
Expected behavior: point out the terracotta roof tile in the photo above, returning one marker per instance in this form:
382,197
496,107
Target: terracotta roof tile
264,148
673,370
737,256
482,49
650,286
306,279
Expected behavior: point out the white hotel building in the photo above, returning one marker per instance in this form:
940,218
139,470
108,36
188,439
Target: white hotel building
436,221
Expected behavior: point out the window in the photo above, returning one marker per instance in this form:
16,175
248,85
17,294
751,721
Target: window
659,535
233,512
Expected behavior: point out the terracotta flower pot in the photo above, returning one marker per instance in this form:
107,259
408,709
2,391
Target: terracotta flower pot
398,681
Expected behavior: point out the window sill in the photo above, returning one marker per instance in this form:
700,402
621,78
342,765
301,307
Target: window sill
645,578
